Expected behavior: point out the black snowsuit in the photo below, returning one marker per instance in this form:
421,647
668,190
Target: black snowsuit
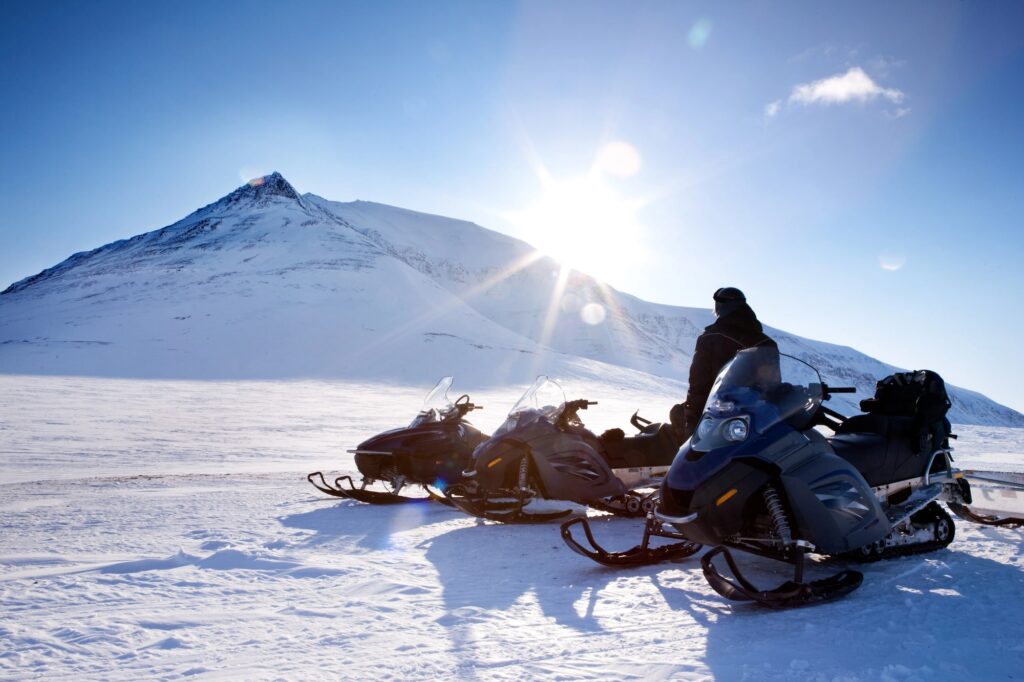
730,333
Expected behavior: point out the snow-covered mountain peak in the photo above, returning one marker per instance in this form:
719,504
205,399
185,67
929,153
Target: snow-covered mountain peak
265,283
259,212
258,192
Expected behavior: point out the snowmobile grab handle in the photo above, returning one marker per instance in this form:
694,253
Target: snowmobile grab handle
639,422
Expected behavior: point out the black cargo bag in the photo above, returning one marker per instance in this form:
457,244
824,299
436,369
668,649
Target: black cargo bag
920,394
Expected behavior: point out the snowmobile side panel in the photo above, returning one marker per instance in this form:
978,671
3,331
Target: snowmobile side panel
570,469
428,453
832,505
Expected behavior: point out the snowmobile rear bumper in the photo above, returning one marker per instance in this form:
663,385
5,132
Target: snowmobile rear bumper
1000,501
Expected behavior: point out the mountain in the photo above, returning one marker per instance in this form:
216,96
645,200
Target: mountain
268,283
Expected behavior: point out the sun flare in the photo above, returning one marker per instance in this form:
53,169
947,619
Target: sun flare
583,223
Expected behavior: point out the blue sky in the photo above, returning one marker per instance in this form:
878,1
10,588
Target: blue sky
792,149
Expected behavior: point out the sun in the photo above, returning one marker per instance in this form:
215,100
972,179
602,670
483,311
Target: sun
585,222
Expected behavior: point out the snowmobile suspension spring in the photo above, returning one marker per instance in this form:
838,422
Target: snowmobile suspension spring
778,515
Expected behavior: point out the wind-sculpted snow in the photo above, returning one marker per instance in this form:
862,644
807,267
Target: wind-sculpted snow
265,283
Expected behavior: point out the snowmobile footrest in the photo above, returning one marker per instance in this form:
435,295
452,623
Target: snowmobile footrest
640,555
791,593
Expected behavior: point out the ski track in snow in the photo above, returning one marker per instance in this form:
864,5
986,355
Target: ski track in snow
164,530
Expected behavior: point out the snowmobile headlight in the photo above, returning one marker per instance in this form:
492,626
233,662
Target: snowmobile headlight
735,430
704,429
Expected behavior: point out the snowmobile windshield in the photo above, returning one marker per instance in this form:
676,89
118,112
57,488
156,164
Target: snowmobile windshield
761,384
545,399
436,406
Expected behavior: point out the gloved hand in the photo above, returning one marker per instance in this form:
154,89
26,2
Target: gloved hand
612,436
677,418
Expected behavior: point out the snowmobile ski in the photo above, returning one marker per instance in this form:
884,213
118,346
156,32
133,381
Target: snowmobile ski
640,555
361,494
791,593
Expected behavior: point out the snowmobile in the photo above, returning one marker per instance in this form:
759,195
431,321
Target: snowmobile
431,453
544,452
758,476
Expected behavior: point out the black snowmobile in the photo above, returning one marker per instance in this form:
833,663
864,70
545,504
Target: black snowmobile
758,476
544,452
431,453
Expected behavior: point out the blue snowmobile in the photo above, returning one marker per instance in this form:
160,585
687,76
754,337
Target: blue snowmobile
759,476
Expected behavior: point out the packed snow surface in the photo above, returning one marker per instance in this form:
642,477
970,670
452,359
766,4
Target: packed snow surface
164,530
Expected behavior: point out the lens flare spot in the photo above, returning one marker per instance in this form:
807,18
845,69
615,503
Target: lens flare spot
699,34
252,175
593,313
618,158
891,262
571,303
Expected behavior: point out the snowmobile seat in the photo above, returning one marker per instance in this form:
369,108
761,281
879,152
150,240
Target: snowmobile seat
881,447
655,447
882,425
865,451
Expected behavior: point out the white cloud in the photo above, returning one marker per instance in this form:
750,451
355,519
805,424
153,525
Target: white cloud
900,112
854,85
772,108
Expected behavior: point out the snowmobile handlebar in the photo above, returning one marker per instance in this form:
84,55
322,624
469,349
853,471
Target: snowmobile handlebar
574,406
464,406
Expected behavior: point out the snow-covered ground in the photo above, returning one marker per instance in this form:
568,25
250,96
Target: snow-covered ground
164,530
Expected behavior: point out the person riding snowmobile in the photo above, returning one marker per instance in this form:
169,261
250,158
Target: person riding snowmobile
736,328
